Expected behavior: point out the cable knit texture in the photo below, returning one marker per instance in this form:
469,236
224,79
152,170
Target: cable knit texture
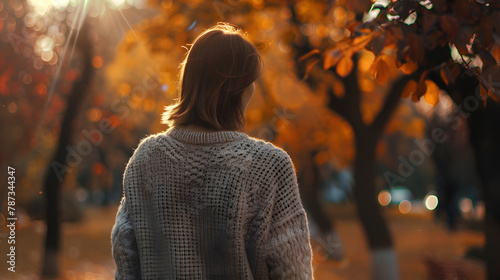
210,205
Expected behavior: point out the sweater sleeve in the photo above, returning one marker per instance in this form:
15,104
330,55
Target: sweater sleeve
123,235
125,250
289,251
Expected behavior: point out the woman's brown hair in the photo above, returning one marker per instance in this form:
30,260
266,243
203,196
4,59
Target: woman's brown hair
219,66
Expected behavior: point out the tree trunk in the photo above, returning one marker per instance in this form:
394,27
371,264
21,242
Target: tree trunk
383,256
59,166
484,134
384,261
484,126
330,246
492,246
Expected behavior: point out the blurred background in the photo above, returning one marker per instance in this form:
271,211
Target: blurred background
388,109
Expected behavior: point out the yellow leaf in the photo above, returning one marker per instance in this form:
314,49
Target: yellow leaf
431,95
344,66
410,88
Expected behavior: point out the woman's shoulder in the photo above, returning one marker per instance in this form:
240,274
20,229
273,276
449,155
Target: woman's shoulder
267,150
146,145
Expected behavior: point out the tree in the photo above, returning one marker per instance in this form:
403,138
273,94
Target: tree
39,35
441,44
54,179
342,88
40,54
187,16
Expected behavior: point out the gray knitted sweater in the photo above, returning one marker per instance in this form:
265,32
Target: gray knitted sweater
210,205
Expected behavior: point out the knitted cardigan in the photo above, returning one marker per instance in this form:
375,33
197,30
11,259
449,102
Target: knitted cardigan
210,205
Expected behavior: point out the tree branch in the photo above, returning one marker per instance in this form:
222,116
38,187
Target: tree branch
343,106
391,101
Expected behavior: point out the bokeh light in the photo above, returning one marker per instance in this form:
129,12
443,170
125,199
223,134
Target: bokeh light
118,101
124,89
12,107
149,105
465,205
97,61
431,202
405,207
384,198
44,44
94,114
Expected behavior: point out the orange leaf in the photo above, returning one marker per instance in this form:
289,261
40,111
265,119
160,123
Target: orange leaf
310,67
410,88
321,158
332,58
464,36
373,68
382,72
362,40
483,91
421,89
377,44
338,88
491,74
431,95
444,76
353,26
450,73
309,54
409,67
415,45
484,94
359,6
344,66
493,96
495,51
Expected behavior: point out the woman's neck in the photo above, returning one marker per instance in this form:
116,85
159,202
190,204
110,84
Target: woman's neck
199,128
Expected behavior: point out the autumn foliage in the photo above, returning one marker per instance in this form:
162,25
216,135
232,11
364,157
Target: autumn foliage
438,36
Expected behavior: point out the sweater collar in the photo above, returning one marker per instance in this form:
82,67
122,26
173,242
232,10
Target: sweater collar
196,137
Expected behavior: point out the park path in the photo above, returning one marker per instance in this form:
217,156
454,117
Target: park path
86,248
